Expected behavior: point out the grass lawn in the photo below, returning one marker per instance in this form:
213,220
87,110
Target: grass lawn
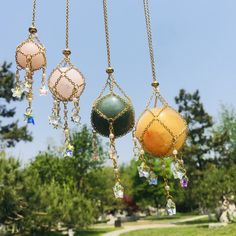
229,230
93,232
88,232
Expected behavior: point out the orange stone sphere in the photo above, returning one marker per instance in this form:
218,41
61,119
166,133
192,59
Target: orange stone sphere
33,52
157,130
66,83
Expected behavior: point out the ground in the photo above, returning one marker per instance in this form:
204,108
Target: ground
179,225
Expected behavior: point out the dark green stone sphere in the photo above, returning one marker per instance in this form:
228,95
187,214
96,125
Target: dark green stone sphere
113,107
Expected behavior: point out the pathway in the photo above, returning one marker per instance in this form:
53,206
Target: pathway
129,228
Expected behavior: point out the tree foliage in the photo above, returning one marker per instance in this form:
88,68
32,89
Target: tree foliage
11,132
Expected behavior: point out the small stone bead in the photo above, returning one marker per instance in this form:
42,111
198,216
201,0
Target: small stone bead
142,152
134,139
167,187
175,152
111,136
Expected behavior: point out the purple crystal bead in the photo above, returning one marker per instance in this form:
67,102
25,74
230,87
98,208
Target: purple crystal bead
184,182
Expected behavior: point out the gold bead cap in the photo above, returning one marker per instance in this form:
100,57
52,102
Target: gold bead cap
110,70
66,52
33,30
155,84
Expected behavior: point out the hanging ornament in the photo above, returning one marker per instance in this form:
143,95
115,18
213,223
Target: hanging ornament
30,57
160,131
112,113
66,83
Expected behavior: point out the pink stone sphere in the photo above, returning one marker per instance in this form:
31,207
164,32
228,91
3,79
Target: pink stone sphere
66,83
35,53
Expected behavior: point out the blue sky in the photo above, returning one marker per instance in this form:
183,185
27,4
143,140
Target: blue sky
195,47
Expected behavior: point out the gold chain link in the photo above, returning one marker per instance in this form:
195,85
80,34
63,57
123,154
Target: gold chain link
34,13
149,34
107,33
67,23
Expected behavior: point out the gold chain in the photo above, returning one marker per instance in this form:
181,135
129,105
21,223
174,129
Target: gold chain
34,13
67,23
107,33
149,34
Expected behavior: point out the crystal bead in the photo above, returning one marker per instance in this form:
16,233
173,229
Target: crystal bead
173,170
180,174
75,118
143,170
170,207
153,181
118,190
30,120
55,121
184,182
29,116
69,151
17,92
176,170
43,91
26,87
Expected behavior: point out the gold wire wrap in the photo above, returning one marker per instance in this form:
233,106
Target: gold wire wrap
107,33
34,14
67,23
149,34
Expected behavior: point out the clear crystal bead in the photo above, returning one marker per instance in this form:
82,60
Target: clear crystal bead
177,171
25,87
55,121
118,190
170,207
143,170
43,91
76,118
17,92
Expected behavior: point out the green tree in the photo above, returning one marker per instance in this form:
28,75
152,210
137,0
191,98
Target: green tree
199,122
198,145
12,204
216,183
11,133
224,138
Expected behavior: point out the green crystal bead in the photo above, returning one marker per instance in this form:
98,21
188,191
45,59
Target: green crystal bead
113,107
